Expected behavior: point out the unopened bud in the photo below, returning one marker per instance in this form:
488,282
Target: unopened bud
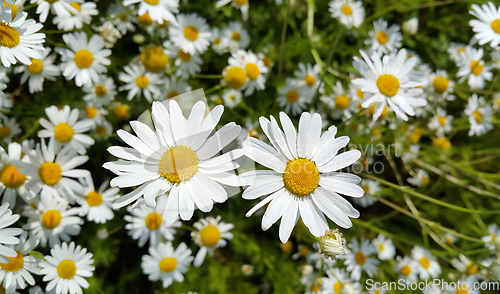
332,244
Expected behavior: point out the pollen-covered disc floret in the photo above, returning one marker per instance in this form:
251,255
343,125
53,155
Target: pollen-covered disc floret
301,176
178,163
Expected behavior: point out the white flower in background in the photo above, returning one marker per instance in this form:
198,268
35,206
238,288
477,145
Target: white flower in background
175,87
421,179
12,182
308,77
473,68
38,71
464,265
407,268
20,41
84,60
241,4
109,34
179,157
66,268
51,173
335,281
303,177
187,64
158,10
166,264
340,102
390,81
100,93
93,113
441,122
84,14
52,220
235,36
96,204
7,235
357,258
146,223
411,26
440,85
65,130
58,8
251,127
487,28
255,70
291,98
350,13
247,269
9,128
122,19
480,115
456,52
103,128
190,33
371,188
384,39
211,234
137,80
219,44
16,273
385,248
428,267
493,237
449,238
231,98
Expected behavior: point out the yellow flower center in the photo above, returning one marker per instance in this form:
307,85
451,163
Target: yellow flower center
142,82
13,8
14,264
405,270
153,221
252,70
219,101
360,93
4,131
414,137
100,130
497,101
425,181
76,6
304,250
210,235
163,25
51,219
471,270
301,176
154,59
314,288
388,85
9,36
287,247
267,61
476,68
341,102
152,2
178,164
93,198
90,112
217,41
145,19
360,258
191,33
168,264
122,110
346,9
424,262
35,67
292,96
382,37
462,289
440,84
478,116
253,133
337,287
66,269
83,58
441,120
123,17
376,131
461,50
185,57
50,173
495,26
63,132
310,80
380,246
172,94
240,2
11,177
235,77
442,143
100,91
236,36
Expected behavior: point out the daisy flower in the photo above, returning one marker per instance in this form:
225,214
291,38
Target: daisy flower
190,33
166,263
211,234
235,36
493,237
94,114
9,128
21,42
441,122
440,85
137,80
350,13
219,44
96,204
467,285
59,8
384,39
384,247
291,98
103,128
411,26
179,157
480,115
487,26
391,81
66,268
52,220
456,52
247,269
420,180
231,98
464,265
308,75
357,258
241,4
8,234
449,238
38,71
158,10
473,68
122,19
12,182
304,179
100,93
251,127
84,60
51,173
339,102
256,71
187,64
335,280
407,268
84,14
146,223
64,129
428,267
16,273
175,87
371,188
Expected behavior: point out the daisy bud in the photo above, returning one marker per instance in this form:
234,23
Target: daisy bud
138,39
332,244
102,234
307,270
411,26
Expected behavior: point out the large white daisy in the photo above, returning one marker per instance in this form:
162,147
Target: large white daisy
487,28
